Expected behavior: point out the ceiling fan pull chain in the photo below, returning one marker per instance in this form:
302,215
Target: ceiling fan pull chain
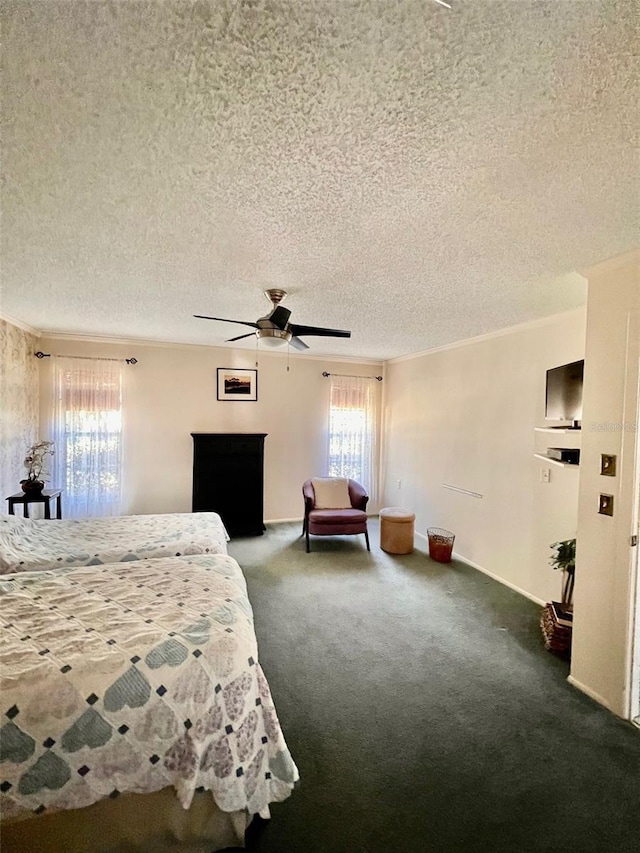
288,354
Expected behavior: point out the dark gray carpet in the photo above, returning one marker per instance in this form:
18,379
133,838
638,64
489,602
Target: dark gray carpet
423,711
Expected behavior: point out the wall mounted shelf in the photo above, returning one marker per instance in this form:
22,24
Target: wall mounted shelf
569,446
556,461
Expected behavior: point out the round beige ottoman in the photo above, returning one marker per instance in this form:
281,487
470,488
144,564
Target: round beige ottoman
396,530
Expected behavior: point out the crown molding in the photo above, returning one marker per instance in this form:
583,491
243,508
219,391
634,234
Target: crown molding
499,333
20,324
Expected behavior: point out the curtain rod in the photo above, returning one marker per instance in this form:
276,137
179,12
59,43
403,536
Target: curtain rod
351,375
41,354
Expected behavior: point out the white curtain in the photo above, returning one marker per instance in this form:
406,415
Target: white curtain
352,431
88,435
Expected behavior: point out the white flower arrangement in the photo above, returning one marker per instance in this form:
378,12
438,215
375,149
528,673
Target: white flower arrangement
36,461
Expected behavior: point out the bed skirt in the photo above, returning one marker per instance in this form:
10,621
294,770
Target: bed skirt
132,823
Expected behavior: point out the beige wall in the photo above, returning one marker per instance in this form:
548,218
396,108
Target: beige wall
171,393
19,409
605,579
465,416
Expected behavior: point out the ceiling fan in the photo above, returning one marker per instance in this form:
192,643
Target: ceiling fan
275,329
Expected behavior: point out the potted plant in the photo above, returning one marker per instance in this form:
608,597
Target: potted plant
564,559
35,462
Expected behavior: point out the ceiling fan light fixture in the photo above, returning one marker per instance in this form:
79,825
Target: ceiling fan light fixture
274,337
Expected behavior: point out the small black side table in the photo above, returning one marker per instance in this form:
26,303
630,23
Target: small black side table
44,497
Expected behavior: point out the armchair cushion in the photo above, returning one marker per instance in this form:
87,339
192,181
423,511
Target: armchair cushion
338,516
331,493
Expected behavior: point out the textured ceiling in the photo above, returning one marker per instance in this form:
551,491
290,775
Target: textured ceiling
414,174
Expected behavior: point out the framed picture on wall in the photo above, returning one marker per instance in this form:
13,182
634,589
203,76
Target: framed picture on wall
238,385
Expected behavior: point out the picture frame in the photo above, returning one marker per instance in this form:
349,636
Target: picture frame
237,384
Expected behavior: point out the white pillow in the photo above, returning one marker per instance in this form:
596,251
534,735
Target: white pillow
331,492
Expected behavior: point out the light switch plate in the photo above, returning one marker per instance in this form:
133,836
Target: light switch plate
605,505
607,465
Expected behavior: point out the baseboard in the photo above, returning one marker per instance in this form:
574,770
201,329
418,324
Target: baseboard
283,520
484,571
590,693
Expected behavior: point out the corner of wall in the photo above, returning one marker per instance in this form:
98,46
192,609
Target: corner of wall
20,396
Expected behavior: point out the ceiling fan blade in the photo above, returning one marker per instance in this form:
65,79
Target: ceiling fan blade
225,320
280,316
240,337
318,330
296,343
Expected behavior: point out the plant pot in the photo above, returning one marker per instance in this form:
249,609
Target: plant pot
32,486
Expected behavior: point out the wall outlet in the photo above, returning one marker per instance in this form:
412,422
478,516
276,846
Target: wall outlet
545,475
399,484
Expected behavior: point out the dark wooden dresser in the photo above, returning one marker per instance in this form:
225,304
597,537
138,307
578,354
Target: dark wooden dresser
228,478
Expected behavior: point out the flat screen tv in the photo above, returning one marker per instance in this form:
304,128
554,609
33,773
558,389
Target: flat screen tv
564,393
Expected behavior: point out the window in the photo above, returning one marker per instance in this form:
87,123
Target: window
88,435
352,430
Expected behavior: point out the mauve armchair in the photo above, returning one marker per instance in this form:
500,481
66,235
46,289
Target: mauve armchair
336,522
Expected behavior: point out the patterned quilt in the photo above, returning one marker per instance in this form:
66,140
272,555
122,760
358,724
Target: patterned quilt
115,680
33,544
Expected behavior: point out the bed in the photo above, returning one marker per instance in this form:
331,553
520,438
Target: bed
33,544
118,681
